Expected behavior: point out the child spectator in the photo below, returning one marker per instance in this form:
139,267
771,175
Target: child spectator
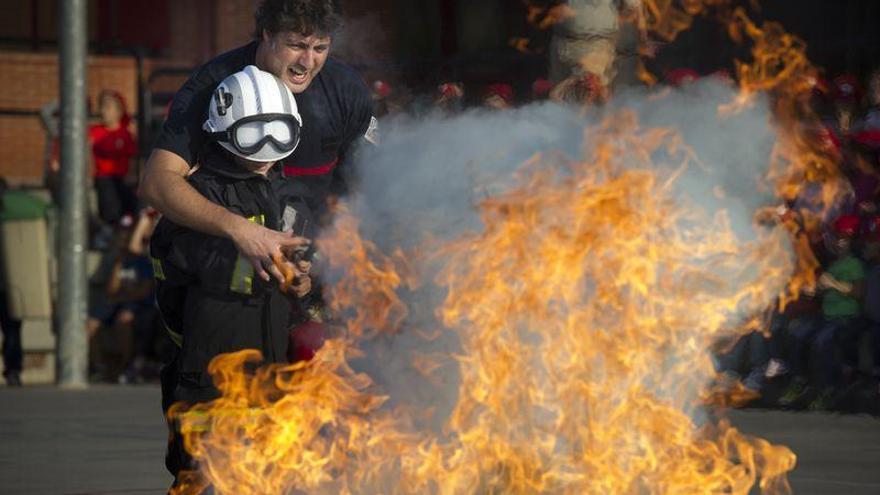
842,287
871,253
449,97
125,311
498,96
541,89
845,94
208,296
382,94
867,133
113,147
748,357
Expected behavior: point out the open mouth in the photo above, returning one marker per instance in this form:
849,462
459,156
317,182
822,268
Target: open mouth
298,75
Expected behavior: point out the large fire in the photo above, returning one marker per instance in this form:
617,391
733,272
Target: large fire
583,313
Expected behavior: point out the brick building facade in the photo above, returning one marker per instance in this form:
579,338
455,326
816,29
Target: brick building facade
152,44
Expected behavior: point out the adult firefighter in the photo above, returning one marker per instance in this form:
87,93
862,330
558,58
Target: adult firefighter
292,41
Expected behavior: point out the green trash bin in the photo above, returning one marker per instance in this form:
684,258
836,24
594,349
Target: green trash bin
26,255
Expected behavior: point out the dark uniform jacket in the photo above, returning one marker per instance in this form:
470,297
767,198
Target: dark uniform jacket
207,295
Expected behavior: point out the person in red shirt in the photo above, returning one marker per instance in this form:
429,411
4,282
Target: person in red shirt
113,147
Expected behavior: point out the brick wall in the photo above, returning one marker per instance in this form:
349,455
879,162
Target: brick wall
31,80
234,23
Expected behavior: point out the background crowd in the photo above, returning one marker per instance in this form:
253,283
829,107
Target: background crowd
820,352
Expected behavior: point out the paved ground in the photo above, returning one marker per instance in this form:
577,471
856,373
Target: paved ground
110,440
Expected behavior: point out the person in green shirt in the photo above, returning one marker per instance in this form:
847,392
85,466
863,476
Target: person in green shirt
842,286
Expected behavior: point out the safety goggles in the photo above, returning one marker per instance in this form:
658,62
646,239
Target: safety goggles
249,134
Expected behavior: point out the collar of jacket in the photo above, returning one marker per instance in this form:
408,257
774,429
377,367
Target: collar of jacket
222,164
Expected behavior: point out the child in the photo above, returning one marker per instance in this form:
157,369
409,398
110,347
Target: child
125,310
842,287
871,300
207,295
113,147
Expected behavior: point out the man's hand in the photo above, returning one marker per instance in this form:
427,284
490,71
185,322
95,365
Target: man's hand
261,245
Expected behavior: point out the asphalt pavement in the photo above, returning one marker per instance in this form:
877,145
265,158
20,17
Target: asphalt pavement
111,439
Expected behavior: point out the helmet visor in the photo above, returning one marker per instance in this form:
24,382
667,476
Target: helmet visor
255,133
250,134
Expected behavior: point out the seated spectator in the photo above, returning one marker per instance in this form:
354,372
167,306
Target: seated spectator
682,77
120,324
842,287
498,96
867,133
845,94
541,89
113,147
871,254
449,97
747,358
381,94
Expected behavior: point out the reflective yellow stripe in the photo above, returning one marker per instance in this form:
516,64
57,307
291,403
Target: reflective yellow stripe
243,275
158,272
175,337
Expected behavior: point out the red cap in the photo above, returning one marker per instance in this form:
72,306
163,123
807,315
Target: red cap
541,88
450,90
846,88
847,225
680,77
381,88
503,91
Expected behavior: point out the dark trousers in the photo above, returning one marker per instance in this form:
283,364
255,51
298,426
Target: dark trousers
114,199
750,352
12,351
177,459
874,328
800,334
838,334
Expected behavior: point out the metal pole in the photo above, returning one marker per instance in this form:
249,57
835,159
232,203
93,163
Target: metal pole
73,344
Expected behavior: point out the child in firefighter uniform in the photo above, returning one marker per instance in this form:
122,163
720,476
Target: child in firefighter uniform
207,294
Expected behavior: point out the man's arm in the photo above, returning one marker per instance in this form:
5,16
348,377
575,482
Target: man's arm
163,185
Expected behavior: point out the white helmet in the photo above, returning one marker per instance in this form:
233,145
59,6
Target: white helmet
253,115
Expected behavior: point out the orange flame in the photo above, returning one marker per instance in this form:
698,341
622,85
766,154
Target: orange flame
584,310
583,350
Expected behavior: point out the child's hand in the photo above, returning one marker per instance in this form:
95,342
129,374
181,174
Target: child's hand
304,267
287,269
302,285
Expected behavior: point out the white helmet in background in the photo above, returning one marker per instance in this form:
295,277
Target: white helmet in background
253,115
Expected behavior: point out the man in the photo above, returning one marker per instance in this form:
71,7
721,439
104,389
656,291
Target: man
292,41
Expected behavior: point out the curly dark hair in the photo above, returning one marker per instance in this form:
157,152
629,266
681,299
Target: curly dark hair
305,17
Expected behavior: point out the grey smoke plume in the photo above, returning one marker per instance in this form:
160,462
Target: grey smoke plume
425,179
426,176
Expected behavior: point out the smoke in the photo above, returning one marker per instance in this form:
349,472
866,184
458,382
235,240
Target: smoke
428,174
421,186
362,38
